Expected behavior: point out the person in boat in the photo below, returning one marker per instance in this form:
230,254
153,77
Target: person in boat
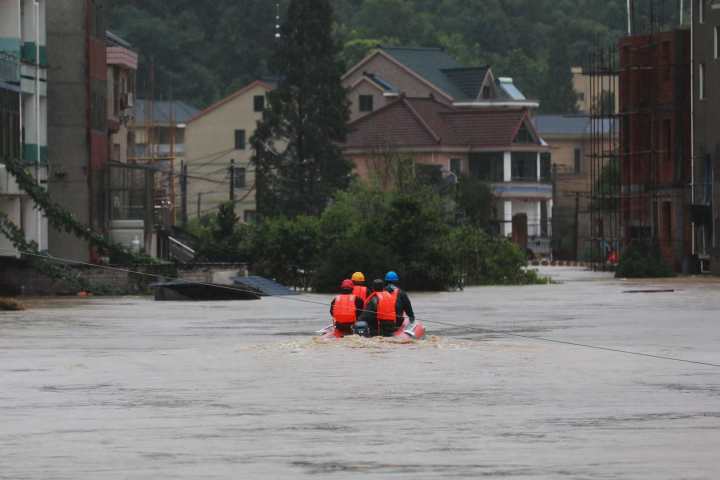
402,301
360,289
346,307
380,313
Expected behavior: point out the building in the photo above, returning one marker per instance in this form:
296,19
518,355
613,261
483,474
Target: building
500,146
77,119
23,93
217,142
387,72
595,91
705,194
655,171
158,128
122,65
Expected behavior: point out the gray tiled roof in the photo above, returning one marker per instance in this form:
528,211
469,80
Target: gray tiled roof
440,69
181,111
569,124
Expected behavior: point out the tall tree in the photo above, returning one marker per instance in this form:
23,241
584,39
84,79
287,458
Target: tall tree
560,96
299,164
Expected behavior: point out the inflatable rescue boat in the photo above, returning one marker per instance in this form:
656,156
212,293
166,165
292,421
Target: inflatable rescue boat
408,331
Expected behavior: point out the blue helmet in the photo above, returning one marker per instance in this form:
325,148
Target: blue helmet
392,277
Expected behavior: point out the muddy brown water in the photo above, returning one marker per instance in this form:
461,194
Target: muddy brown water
129,388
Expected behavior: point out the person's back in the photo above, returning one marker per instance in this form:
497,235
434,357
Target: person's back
371,308
345,308
402,301
359,288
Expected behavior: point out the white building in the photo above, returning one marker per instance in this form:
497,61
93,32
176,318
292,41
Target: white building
23,79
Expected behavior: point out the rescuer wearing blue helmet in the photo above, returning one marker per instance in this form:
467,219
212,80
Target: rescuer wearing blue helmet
402,305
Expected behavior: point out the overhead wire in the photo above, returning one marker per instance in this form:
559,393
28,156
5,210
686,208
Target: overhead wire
479,329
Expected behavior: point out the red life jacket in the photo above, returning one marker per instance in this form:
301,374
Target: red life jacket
361,291
387,306
344,309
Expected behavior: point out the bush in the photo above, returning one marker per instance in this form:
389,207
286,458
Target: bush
643,260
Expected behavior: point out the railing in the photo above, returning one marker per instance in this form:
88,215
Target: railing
9,67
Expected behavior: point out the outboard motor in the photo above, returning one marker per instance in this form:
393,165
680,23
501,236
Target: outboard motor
361,328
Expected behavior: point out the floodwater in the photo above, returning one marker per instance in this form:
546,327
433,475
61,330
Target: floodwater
129,388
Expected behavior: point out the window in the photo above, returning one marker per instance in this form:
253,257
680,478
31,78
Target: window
239,177
524,135
546,166
250,216
366,103
667,217
456,166
701,81
239,139
667,139
578,160
524,166
259,103
487,166
486,92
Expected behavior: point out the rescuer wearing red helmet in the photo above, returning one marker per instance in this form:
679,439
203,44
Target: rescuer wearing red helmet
345,308
360,290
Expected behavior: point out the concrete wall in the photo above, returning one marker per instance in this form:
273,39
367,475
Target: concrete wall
210,147
68,121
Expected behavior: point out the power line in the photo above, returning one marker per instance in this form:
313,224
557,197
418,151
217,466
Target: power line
479,329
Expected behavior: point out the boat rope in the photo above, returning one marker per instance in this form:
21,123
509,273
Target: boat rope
478,329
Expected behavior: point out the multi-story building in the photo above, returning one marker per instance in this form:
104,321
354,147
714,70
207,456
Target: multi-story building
655,142
23,88
217,142
594,90
705,192
77,119
158,128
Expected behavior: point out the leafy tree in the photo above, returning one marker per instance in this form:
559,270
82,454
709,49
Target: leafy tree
560,97
298,161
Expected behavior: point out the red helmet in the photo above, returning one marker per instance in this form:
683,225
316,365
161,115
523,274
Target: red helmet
347,285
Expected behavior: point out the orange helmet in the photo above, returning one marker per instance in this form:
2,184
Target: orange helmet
358,277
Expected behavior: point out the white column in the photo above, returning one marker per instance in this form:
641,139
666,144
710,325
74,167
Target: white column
507,167
550,216
538,223
507,226
538,167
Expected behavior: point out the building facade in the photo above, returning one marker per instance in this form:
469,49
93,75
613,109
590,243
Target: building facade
218,143
594,90
655,171
23,88
706,131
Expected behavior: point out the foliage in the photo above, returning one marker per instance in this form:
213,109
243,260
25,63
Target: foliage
307,114
475,202
372,230
204,50
220,238
643,260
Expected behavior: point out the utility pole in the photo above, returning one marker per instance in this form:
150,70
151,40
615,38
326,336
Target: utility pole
232,183
199,204
183,193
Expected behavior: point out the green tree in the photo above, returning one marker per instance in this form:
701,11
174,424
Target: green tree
560,96
298,160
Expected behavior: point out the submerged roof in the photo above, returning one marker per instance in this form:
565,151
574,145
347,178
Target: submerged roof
426,122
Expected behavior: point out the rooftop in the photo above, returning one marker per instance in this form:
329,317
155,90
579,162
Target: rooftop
164,111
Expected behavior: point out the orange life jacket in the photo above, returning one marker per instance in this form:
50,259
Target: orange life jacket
387,306
344,309
361,291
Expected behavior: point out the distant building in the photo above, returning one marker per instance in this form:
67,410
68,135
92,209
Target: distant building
166,122
595,91
218,138
78,120
23,103
706,120
498,145
122,65
387,72
655,171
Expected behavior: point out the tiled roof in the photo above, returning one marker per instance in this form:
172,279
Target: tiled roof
164,110
440,69
423,122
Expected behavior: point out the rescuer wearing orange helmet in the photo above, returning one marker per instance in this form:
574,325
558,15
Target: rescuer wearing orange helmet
345,308
360,289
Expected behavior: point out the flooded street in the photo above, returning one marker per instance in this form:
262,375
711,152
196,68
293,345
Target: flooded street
130,388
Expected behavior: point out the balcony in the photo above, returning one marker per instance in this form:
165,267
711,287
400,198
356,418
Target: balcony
9,68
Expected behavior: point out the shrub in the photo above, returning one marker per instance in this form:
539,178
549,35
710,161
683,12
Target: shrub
643,260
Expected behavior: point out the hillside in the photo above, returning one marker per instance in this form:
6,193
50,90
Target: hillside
204,50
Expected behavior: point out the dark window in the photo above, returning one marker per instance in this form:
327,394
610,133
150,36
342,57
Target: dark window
524,135
544,221
239,177
366,103
486,92
667,217
250,216
545,166
456,166
524,166
578,160
259,103
667,139
239,139
487,166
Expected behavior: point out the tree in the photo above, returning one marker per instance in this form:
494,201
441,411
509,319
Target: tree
560,96
298,161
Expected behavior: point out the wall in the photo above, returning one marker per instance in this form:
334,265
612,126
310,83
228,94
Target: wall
210,146
365,88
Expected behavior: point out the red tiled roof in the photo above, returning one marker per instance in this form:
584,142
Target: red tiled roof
423,122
